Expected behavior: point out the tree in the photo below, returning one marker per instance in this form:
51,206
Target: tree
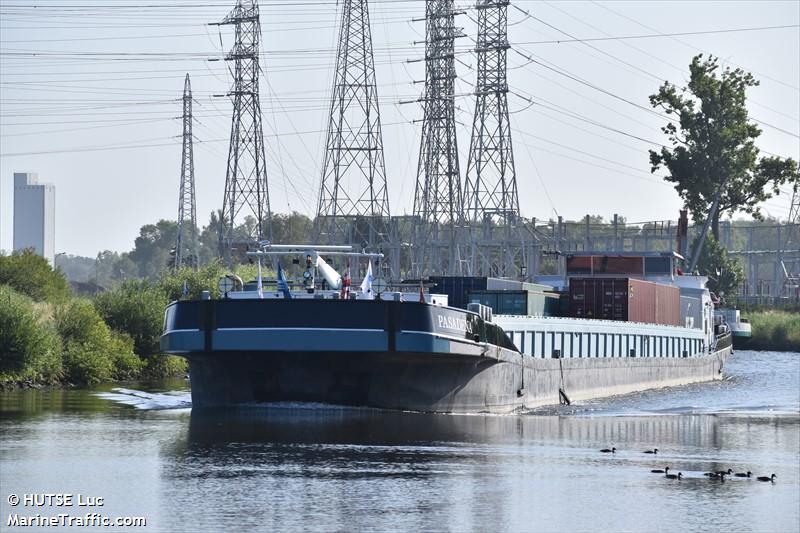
152,247
294,228
725,273
31,274
713,144
210,238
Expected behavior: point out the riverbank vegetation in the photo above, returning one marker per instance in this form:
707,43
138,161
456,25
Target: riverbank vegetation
774,330
48,336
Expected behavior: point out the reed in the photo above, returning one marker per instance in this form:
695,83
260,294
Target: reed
774,330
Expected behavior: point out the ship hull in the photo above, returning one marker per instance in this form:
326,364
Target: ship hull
428,383
394,355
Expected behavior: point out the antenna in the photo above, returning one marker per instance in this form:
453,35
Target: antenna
246,187
186,244
353,201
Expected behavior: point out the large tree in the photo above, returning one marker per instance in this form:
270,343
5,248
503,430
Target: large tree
724,272
151,249
713,144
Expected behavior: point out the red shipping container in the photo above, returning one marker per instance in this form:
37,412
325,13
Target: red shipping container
624,299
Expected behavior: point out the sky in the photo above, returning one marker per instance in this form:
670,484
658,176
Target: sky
90,99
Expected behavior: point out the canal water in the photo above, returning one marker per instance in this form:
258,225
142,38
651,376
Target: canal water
318,468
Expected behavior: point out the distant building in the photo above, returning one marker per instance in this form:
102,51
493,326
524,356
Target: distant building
34,215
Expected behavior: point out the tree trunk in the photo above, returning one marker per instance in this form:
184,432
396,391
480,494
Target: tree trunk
715,226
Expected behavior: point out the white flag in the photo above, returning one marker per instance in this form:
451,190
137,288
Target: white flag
260,281
366,285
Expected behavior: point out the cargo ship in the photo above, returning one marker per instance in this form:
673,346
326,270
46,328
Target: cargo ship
611,324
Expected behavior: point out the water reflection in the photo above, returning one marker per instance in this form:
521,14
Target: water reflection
374,427
284,467
343,469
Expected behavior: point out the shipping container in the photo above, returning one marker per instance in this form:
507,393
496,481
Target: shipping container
500,284
624,299
523,302
457,287
668,305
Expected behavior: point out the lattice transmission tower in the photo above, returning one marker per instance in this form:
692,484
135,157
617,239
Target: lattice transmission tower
353,202
438,202
790,248
491,202
246,190
186,244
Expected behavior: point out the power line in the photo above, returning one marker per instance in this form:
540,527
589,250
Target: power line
622,15
655,35
680,69
637,68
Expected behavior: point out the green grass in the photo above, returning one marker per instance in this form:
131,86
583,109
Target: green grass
774,330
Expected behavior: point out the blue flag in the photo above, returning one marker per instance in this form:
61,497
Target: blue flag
283,285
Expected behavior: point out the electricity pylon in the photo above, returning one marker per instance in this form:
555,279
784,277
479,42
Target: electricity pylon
353,202
186,245
438,203
491,202
246,190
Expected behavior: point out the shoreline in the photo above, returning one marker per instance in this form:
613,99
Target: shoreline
29,384
773,330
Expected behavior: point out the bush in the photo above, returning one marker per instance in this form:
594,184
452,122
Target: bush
774,330
164,366
84,364
78,321
127,365
136,308
29,345
93,352
206,278
32,275
249,272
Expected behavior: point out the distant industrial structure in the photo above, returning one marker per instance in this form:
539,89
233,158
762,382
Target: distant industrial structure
34,215
461,225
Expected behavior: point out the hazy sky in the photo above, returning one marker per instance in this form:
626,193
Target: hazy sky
90,99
